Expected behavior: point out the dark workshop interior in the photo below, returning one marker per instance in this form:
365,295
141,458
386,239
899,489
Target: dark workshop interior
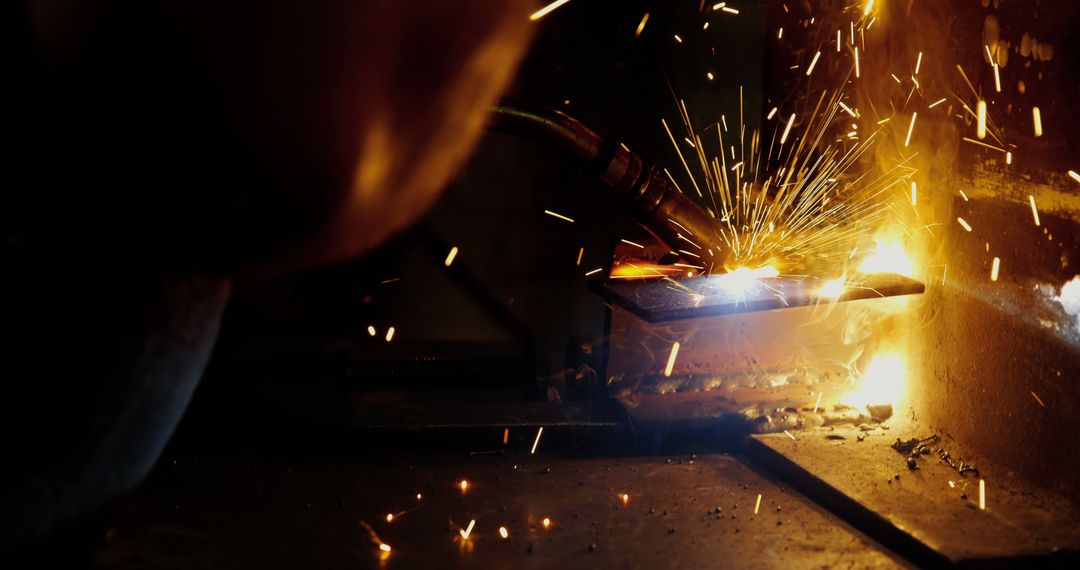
535,284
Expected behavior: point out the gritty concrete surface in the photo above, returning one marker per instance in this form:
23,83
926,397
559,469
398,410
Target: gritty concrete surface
682,512
932,502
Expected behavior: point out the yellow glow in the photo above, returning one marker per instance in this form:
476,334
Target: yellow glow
384,547
371,330
995,269
888,257
869,6
450,256
389,334
464,485
503,532
1037,118
883,382
982,495
832,289
625,498
546,522
742,279
389,517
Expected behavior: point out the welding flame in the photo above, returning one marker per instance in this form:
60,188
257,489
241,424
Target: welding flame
888,257
883,382
832,289
742,280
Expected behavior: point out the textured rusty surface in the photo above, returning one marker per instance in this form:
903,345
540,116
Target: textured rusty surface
681,513
1000,361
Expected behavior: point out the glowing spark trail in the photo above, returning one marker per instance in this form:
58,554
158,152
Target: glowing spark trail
910,128
994,269
918,63
389,334
982,495
914,195
641,26
465,533
980,127
503,532
1037,399
371,330
787,129
964,224
628,242
1074,175
450,256
1036,116
936,103
558,215
536,442
1034,210
547,9
671,358
810,69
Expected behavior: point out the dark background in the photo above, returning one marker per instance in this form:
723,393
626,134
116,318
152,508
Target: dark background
503,314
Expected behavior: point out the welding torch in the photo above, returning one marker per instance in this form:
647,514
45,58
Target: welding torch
622,175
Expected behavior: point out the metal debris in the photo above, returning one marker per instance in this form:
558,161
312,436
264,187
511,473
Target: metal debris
909,445
961,467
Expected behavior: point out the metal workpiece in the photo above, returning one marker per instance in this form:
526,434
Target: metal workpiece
706,296
622,175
